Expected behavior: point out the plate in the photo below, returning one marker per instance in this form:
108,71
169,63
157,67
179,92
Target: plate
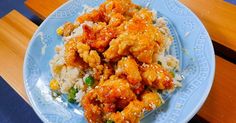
192,46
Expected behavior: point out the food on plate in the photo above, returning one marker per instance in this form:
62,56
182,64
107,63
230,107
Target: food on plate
112,62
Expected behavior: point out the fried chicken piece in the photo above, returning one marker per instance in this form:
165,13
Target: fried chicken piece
107,72
68,27
151,100
99,36
115,91
92,111
71,57
94,16
109,96
108,16
135,110
154,75
131,113
138,37
117,6
139,88
116,19
111,54
127,66
107,10
89,56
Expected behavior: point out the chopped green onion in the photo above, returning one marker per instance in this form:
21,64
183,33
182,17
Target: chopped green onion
55,94
172,73
71,95
89,81
110,121
159,62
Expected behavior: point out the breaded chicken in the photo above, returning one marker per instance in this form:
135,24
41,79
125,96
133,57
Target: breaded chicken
135,110
138,37
109,96
154,75
127,66
115,91
99,36
89,56
108,11
151,100
131,113
71,57
92,111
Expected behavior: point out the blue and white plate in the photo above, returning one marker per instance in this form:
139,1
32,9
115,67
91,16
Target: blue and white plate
192,46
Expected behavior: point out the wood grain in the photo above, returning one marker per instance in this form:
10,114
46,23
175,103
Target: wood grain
218,16
15,33
43,8
220,105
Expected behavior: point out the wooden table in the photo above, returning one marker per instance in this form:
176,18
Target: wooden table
14,37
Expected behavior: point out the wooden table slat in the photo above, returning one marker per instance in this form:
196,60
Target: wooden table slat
15,33
43,7
220,104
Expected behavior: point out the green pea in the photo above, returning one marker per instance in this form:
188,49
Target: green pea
110,121
172,73
71,95
71,100
89,81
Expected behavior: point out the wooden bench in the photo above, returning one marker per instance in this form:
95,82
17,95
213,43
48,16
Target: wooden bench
14,37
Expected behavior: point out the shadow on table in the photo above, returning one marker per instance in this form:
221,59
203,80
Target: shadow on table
7,5
198,119
13,109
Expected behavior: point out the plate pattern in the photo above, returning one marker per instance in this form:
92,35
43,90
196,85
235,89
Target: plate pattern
191,45
200,71
177,8
67,11
33,73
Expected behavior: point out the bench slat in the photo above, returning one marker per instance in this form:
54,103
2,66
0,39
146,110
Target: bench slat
220,104
15,33
43,8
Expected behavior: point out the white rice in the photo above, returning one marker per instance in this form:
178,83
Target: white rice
162,25
79,84
65,75
77,31
87,9
79,95
169,62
